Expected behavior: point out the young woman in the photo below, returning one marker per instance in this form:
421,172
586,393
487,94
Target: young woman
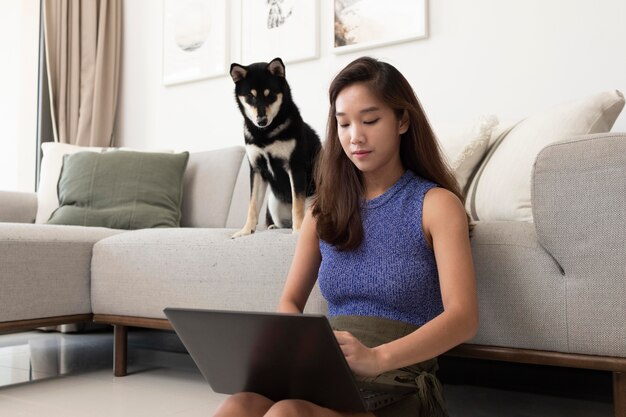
387,238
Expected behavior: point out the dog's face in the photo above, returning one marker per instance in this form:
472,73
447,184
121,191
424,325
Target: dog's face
259,89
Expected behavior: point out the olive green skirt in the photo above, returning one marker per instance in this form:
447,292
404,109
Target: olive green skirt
428,399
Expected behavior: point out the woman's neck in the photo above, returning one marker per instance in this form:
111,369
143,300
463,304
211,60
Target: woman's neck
377,183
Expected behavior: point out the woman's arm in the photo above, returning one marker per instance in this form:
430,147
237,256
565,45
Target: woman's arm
304,268
445,224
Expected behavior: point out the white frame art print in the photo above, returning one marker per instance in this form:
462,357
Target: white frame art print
362,24
195,40
288,29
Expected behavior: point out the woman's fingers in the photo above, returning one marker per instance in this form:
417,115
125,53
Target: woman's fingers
342,335
349,345
346,342
358,356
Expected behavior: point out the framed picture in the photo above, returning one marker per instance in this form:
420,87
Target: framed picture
279,28
195,40
361,24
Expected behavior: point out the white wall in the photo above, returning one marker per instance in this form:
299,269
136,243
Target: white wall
19,40
511,58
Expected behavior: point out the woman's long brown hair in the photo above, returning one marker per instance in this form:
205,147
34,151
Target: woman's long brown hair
340,190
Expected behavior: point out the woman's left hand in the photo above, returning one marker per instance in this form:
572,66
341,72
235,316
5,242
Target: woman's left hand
362,360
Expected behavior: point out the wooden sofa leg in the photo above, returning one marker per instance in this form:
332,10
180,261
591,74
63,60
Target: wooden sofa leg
120,351
619,393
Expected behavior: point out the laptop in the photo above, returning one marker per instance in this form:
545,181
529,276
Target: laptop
280,356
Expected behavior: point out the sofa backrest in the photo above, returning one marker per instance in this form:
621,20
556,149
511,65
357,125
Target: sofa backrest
240,200
217,189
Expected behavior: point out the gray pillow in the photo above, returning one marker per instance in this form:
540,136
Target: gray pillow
121,189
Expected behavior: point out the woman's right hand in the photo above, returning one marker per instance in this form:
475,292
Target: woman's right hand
362,360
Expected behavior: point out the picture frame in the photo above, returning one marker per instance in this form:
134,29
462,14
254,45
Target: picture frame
195,40
364,24
288,29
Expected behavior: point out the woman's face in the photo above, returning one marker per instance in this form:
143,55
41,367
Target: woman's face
369,130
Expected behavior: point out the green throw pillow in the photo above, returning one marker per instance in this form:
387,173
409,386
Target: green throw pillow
121,189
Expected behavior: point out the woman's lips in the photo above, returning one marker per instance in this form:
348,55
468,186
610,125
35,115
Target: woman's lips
361,154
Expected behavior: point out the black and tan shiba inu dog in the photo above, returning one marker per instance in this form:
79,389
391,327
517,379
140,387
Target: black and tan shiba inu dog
280,146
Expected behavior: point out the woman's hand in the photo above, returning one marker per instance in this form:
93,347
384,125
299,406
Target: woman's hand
362,360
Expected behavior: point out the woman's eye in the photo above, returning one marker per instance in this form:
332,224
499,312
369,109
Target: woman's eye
371,122
342,125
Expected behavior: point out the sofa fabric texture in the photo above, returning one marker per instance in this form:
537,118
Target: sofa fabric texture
17,207
586,179
121,190
209,184
141,273
521,292
46,270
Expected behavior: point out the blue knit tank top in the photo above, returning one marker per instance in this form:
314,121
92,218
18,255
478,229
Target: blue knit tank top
393,273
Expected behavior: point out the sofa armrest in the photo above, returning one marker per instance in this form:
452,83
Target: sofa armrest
579,208
17,207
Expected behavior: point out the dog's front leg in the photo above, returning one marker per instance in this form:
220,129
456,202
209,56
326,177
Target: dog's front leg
257,187
297,205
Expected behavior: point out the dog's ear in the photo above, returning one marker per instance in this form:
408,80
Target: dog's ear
276,67
238,72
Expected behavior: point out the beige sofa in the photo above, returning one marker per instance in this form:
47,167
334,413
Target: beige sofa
552,291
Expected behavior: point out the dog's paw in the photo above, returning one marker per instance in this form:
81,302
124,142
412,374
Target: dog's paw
272,227
295,231
242,232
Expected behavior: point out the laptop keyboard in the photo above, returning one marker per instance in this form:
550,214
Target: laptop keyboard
377,399
368,394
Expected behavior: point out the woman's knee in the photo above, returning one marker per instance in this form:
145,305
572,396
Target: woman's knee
244,404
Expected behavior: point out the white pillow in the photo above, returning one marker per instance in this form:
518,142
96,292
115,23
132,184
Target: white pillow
464,147
500,190
51,164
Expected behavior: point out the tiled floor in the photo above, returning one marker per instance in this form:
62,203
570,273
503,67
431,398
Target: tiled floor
53,374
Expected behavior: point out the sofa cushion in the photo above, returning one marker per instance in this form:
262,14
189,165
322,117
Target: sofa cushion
208,186
500,189
36,278
121,189
464,147
50,171
140,273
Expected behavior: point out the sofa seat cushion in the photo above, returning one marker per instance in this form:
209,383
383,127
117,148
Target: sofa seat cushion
139,273
45,269
521,291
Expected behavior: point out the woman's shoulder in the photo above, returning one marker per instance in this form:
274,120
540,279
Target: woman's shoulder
441,204
442,195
